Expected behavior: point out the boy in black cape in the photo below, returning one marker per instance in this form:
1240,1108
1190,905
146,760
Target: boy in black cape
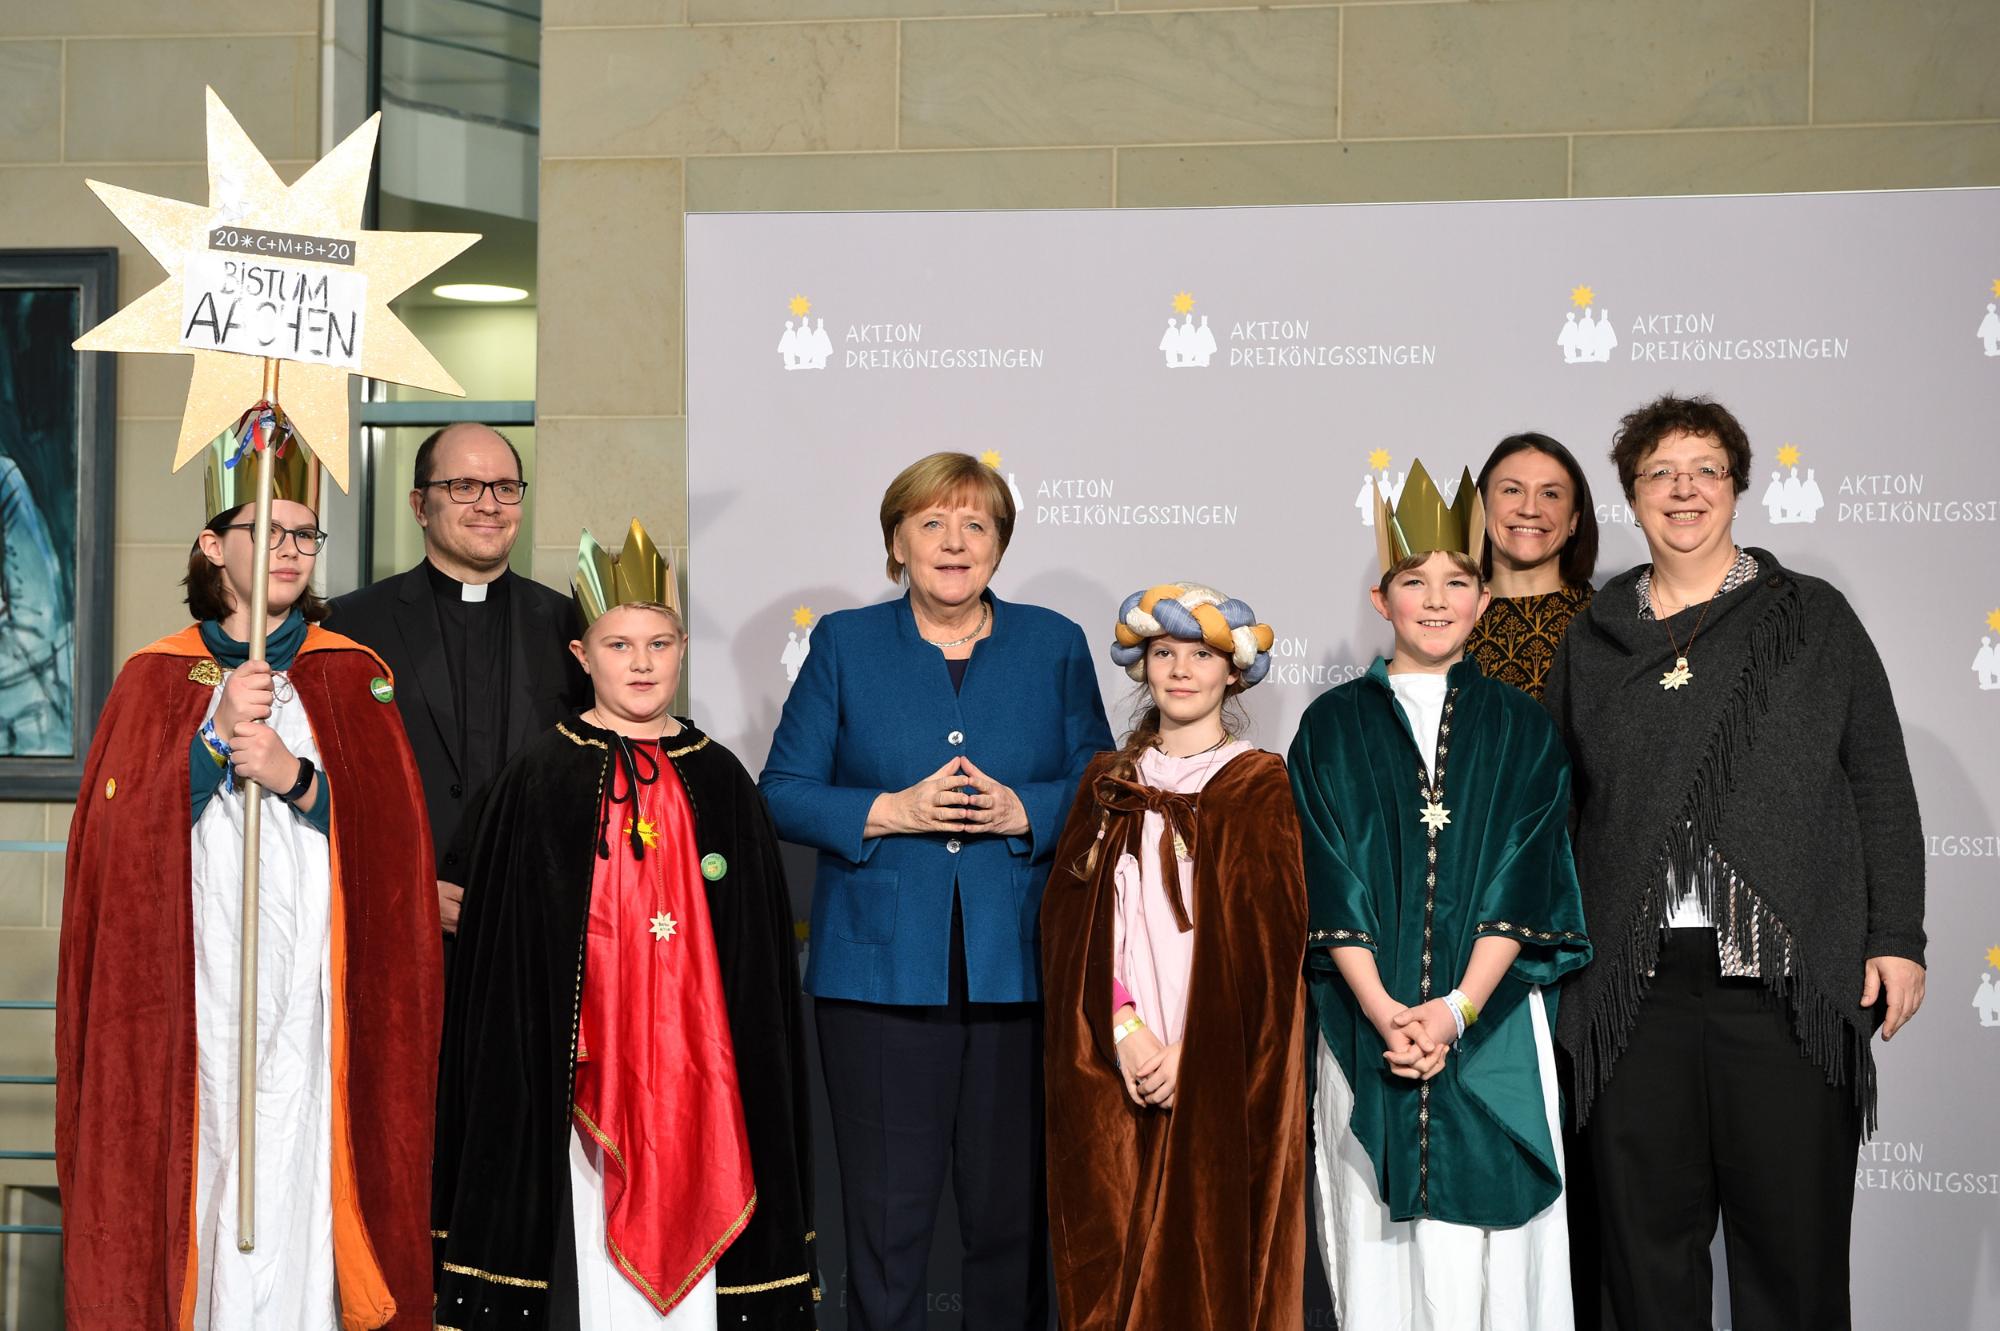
623,1131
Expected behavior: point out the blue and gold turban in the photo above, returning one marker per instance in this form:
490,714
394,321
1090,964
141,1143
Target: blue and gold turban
1192,613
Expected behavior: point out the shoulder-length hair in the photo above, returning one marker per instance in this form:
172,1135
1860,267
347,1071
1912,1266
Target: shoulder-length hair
1579,552
936,479
208,594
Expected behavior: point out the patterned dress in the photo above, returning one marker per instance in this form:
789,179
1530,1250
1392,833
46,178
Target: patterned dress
1516,639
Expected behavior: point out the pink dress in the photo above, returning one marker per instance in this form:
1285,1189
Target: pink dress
1153,957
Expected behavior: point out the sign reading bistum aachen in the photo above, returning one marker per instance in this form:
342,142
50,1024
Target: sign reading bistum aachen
250,293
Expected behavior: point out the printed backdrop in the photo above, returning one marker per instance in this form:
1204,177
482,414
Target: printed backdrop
1212,394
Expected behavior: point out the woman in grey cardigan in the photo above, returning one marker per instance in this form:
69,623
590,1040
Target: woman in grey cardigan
1753,874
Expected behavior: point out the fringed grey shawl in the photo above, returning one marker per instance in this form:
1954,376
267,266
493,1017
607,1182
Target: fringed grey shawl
1785,758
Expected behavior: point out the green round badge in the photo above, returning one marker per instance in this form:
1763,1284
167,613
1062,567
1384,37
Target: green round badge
383,690
713,866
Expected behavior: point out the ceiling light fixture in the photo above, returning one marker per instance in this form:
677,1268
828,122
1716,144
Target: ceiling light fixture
484,293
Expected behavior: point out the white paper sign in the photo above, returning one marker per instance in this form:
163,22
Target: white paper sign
255,307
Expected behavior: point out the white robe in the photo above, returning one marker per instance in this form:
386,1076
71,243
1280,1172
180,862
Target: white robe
288,1280
1430,1275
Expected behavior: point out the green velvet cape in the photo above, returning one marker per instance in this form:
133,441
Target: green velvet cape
1481,1154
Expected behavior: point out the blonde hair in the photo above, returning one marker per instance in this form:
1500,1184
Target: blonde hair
669,611
932,480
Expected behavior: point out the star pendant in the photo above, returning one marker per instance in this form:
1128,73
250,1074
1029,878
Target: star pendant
1436,815
649,837
664,926
1679,676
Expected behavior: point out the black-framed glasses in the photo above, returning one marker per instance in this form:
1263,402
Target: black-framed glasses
466,490
307,540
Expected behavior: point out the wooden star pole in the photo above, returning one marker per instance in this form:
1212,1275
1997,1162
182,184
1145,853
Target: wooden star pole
253,831
259,261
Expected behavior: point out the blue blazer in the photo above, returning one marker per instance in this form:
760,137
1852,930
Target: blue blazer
873,710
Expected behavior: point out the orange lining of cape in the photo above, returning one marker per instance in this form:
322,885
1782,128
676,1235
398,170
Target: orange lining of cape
188,642
365,1302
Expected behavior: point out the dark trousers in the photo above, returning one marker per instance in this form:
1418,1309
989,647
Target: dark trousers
1713,1106
919,1092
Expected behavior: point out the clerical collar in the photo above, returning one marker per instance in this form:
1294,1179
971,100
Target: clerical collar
443,584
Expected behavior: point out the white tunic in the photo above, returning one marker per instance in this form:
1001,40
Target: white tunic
288,1280
1430,1275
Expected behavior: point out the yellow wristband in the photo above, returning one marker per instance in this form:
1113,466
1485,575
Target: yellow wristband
1123,1029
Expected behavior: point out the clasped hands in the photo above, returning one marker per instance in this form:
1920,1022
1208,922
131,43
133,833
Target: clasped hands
1418,1038
255,751
958,797
1151,1070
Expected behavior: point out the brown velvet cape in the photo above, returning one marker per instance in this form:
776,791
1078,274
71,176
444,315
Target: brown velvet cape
1194,1217
126,1100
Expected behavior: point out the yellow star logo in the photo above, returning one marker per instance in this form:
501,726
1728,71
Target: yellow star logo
1378,460
1788,456
326,203
1993,957
649,836
802,930
1582,296
663,926
803,616
1183,301
1996,286
991,457
801,306
1993,620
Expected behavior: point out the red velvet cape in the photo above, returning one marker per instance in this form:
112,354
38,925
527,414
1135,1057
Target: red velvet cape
1191,1218
125,1017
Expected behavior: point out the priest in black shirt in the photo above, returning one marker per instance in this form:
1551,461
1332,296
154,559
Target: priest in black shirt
481,655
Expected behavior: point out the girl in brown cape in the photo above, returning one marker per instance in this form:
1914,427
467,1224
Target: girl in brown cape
1173,937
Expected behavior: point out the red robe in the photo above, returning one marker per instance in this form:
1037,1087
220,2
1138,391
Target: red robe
655,1066
125,1008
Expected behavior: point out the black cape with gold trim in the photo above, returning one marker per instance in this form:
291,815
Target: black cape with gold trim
501,1225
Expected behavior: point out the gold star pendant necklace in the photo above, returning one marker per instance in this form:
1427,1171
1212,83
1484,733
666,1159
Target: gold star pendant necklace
1430,783
1681,676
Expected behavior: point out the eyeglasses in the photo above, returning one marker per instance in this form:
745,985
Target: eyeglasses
307,540
1705,477
465,490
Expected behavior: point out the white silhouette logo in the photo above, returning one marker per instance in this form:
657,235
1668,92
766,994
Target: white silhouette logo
1789,499
1987,997
798,644
1986,661
991,457
1376,481
1989,327
804,347
1585,341
1186,345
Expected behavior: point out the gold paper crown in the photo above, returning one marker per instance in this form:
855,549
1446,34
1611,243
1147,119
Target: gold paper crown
639,575
1423,522
295,472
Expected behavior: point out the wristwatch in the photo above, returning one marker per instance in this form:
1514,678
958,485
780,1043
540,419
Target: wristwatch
302,785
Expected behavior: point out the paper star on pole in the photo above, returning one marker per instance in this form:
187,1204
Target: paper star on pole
245,194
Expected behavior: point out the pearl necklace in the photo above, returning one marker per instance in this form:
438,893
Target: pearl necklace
985,613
